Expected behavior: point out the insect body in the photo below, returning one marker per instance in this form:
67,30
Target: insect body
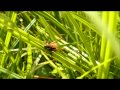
52,46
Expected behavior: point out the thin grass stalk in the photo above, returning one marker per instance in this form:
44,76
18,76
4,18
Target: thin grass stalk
29,59
108,54
6,51
55,67
83,38
92,69
54,21
9,26
8,37
102,28
26,29
103,44
14,75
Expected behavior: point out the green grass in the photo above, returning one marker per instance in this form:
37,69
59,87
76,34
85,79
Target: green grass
88,44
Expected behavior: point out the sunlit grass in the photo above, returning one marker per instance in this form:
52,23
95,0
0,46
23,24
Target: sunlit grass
87,44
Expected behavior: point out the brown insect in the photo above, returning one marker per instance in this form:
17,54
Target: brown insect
52,46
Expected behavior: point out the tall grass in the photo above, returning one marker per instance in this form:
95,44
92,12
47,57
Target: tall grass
88,44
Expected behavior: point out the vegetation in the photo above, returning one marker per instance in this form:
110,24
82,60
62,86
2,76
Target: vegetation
59,45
